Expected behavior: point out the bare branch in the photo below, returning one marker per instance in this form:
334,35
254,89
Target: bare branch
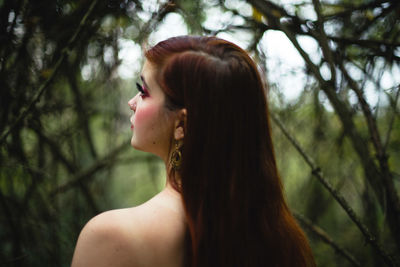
156,17
350,9
81,109
388,184
380,181
56,67
88,173
326,238
369,43
316,171
387,139
323,40
366,110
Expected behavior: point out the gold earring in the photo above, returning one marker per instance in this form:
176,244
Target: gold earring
176,157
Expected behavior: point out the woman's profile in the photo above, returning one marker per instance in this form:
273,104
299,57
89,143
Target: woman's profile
202,108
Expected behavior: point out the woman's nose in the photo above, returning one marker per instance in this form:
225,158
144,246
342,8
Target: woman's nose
132,104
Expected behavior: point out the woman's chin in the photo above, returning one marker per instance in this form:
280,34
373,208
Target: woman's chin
134,144
137,146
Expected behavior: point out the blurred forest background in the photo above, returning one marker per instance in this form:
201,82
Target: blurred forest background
67,70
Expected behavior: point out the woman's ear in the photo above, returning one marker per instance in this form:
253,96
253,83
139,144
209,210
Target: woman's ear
180,124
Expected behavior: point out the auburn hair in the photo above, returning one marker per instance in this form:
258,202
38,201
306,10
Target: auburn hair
235,207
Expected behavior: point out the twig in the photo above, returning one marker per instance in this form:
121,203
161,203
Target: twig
376,140
323,40
392,119
90,171
326,238
156,17
56,67
387,181
351,9
370,43
81,109
316,171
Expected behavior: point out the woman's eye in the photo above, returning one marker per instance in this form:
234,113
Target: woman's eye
143,91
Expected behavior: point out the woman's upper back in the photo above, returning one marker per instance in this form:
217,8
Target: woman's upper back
151,234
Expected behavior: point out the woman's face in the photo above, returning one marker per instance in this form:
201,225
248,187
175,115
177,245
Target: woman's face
151,123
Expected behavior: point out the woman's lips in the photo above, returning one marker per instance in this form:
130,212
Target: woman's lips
131,123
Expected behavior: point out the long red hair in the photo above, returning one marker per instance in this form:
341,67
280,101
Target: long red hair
232,193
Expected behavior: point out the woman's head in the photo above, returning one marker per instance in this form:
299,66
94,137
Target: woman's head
232,193
220,88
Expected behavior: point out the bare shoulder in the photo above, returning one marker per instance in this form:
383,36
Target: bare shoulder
101,241
151,234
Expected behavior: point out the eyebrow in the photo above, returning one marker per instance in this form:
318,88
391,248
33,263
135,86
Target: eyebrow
144,82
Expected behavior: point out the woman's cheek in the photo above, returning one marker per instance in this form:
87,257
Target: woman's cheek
145,115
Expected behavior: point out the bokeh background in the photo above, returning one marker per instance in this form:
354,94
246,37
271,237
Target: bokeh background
68,68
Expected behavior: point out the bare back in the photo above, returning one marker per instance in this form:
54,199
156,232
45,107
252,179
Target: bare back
151,234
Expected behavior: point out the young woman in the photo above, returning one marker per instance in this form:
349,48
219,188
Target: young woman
202,109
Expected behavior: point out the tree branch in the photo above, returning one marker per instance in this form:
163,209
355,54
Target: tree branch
351,9
323,40
316,171
360,145
156,17
56,67
90,171
368,43
387,181
326,238
81,110
392,119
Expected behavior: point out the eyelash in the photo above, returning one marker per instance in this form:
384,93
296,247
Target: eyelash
143,91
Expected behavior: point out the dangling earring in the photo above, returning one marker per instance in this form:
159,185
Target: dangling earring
176,157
